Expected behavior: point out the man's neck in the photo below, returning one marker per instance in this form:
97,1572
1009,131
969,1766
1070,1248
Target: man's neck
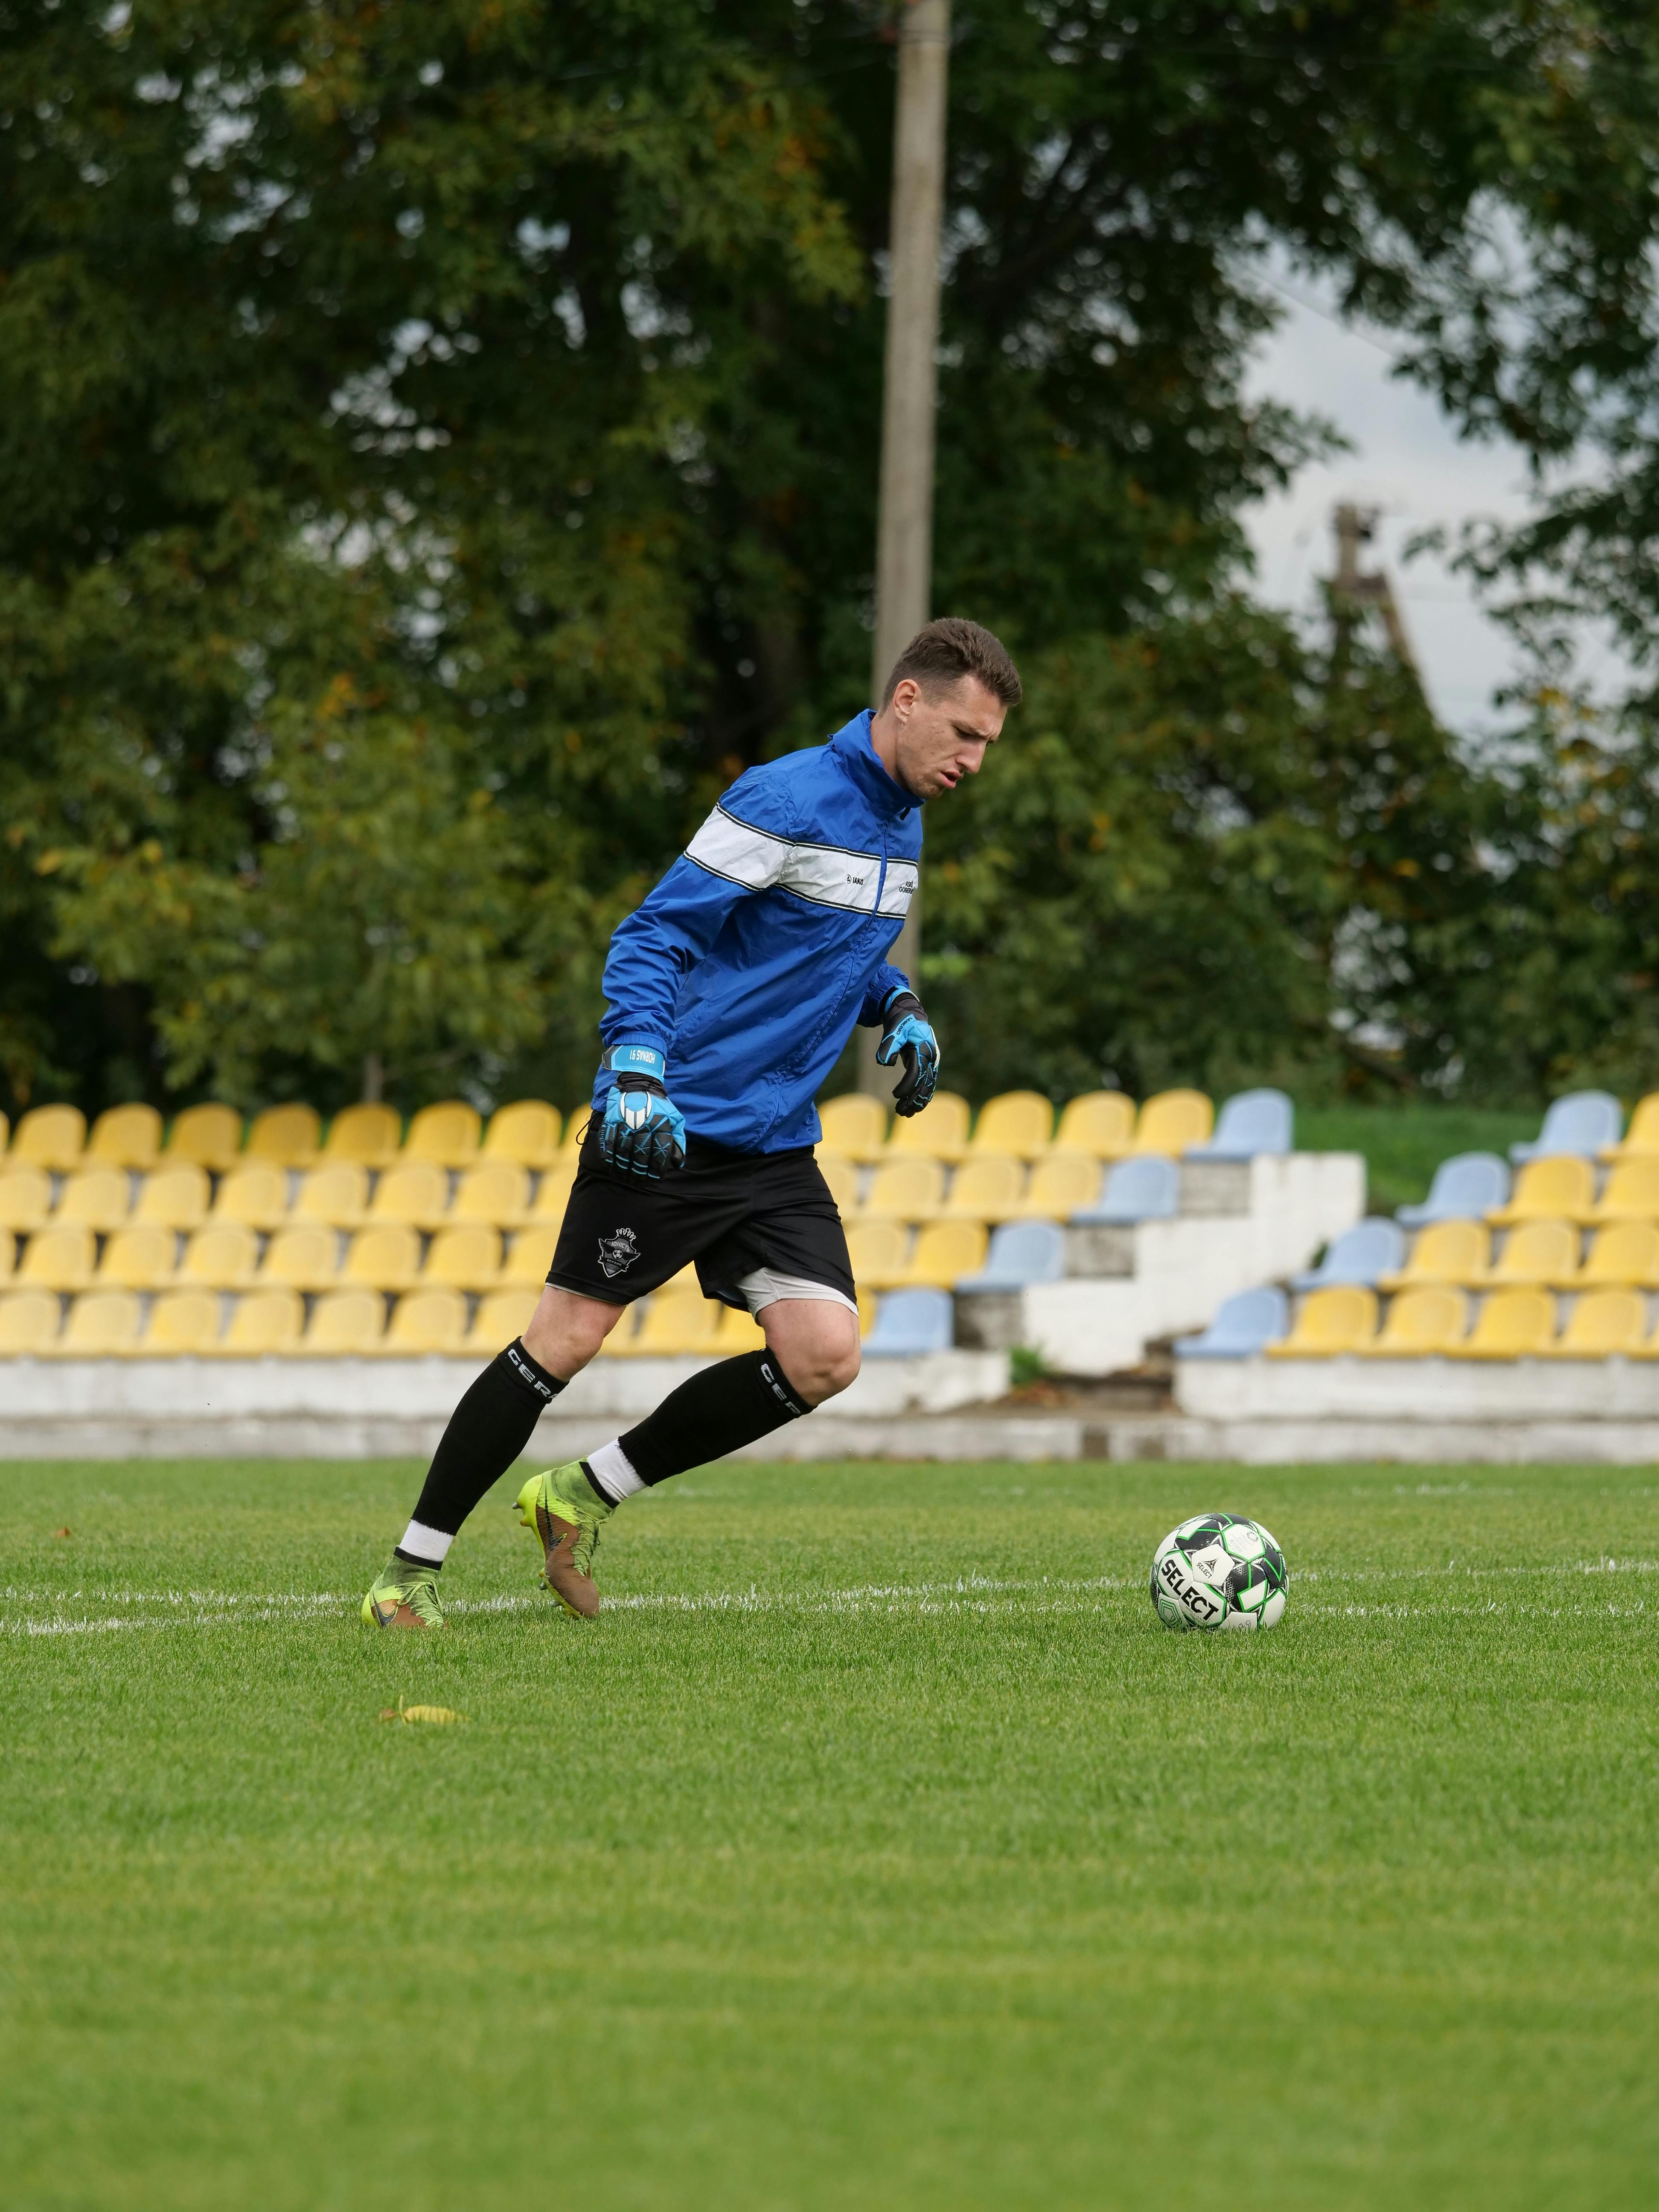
883,743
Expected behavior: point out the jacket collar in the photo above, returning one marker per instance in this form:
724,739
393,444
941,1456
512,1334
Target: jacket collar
852,747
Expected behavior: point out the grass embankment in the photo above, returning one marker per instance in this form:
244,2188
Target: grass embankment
1404,1144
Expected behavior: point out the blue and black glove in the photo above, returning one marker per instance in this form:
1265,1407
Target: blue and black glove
643,1132
908,1035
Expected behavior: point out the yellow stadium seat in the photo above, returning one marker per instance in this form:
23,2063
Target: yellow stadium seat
737,1331
1602,1324
878,1250
344,1322
1626,1252
1643,1135
222,1256
431,1319
24,1200
58,1258
125,1137
29,1323
263,1322
1101,1123
1538,1252
447,1134
528,1258
939,1132
944,1252
553,1195
1061,1184
524,1134
5,1130
1559,1188
206,1136
183,1321
174,1197
99,1197
336,1194
495,1192
905,1190
854,1124
676,1324
368,1134
285,1136
869,1306
255,1195
1172,1120
414,1191
1510,1324
574,1130
138,1258
1330,1321
1445,1252
1420,1323
501,1316
385,1257
49,1137
842,1178
465,1259
988,1188
1019,1121
1632,1193
7,1256
305,1257
100,1325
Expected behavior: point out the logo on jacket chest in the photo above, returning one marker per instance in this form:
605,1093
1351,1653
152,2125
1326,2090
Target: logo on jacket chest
617,1253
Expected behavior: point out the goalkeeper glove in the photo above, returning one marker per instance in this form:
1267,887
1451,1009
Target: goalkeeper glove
906,1034
643,1132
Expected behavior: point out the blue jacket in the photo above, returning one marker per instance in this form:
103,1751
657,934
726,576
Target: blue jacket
750,963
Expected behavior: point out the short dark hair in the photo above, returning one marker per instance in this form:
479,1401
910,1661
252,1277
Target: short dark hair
948,650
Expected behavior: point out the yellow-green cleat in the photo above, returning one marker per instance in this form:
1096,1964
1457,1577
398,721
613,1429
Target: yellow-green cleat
403,1596
565,1513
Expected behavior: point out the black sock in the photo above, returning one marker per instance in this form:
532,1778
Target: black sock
487,1431
713,1413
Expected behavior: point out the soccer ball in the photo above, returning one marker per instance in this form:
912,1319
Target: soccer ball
1220,1571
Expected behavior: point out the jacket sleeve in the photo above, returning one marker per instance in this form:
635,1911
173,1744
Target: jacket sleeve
882,984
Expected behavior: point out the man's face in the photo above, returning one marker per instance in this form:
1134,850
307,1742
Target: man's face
942,738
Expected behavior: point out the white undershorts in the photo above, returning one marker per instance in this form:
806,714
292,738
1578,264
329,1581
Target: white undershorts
766,1287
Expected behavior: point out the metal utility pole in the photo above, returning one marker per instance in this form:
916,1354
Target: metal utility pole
1356,527
905,530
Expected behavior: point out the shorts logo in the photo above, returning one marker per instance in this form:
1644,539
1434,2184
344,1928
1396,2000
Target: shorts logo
617,1253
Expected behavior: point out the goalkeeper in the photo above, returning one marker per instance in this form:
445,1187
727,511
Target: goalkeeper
729,992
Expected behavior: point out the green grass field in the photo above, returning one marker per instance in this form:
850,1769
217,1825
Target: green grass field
876,1848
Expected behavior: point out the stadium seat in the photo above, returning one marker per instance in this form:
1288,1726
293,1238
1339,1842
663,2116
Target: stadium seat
125,1137
1251,1121
7,1256
1603,1325
1466,1188
737,1331
285,1136
1146,1190
1452,1252
574,1130
842,1177
1247,1324
905,1190
255,1195
368,1134
207,1137
345,1322
29,1323
501,1316
1632,1194
50,1137
1642,1137
1060,1185
99,1197
305,1257
1585,1121
447,1134
414,1191
385,1256
1510,1324
182,1322
911,1324
1328,1323
1172,1122
174,1197
264,1322
939,1132
495,1193
1538,1252
140,1257
1559,1188
468,1258
1019,1121
868,1301
431,1319
24,1200
1100,1122
223,1256
553,1195
100,1325
1420,1323
1363,1254
944,1252
878,1251
524,1134
676,1323
854,1124
988,1187
1021,1252
58,1258
529,1256
337,1194
1624,1252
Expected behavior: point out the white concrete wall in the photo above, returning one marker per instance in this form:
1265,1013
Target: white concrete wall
1409,1390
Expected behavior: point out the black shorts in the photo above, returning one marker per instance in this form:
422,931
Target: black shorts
759,1225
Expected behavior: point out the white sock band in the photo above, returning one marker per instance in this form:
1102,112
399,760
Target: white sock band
428,1545
613,1471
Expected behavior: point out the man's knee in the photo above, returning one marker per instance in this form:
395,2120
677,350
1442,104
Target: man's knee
566,1331
816,1345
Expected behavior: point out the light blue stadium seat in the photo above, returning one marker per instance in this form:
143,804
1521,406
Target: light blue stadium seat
1146,1190
1465,1188
908,1322
1021,1252
1360,1255
1247,1321
1582,1121
1251,1121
